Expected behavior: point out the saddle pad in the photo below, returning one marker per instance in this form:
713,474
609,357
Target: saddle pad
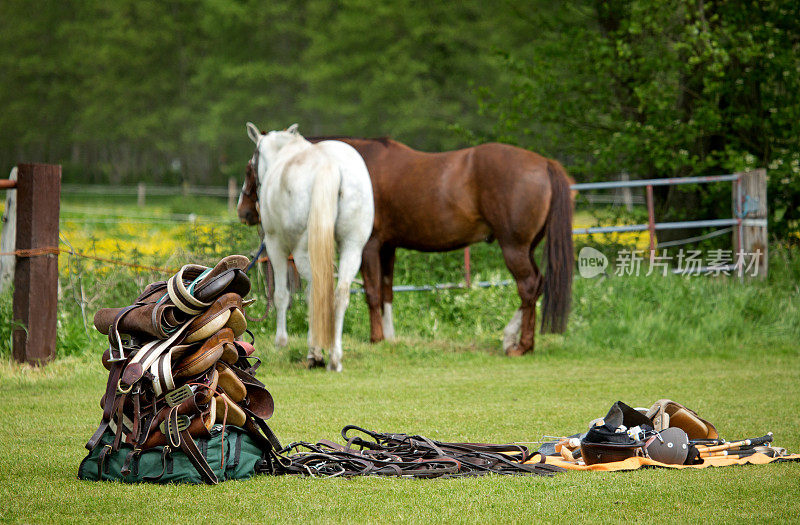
666,413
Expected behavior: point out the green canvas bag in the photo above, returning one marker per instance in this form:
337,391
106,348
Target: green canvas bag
242,459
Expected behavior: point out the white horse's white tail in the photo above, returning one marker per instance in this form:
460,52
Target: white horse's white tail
321,251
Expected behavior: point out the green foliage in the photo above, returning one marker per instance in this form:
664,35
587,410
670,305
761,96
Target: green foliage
6,328
147,89
665,89
159,91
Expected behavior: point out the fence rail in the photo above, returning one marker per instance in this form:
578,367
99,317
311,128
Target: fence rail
643,183
141,190
159,190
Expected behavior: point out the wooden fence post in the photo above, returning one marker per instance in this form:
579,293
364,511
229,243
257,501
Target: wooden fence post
233,194
36,275
141,194
750,206
627,194
651,222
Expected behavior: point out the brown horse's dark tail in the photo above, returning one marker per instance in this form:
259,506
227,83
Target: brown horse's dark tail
560,257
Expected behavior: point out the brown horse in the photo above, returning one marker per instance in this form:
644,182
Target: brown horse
437,202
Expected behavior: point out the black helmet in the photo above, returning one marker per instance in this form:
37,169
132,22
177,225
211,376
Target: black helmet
608,439
670,446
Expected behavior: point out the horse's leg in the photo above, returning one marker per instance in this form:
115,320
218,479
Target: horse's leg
371,272
314,356
387,254
281,293
349,261
529,282
511,333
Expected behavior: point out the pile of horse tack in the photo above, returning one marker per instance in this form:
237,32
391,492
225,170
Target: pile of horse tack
182,404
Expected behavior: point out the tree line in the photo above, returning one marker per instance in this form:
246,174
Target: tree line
151,90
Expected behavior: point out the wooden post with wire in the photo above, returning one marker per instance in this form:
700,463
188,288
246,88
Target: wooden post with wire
233,193
36,273
141,194
750,237
651,221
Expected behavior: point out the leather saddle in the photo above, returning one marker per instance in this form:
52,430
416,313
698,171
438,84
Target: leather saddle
164,306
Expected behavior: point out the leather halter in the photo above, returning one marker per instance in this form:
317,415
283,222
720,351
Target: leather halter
249,191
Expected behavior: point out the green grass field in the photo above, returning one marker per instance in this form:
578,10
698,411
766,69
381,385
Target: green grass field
727,350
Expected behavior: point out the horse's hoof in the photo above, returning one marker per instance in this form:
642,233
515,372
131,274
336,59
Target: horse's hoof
334,368
313,362
315,358
517,350
281,340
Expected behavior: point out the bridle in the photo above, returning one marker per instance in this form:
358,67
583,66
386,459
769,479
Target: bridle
251,190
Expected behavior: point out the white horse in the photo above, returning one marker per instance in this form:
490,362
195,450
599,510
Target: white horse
312,197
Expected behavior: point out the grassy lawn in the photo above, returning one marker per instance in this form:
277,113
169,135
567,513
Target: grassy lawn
727,350
445,391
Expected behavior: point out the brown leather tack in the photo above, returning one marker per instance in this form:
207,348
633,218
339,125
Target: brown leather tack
214,318
133,372
189,333
226,276
246,348
235,415
230,384
198,362
230,354
205,393
259,400
237,321
105,359
666,413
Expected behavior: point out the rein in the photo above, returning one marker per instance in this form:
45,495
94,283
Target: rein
249,191
404,455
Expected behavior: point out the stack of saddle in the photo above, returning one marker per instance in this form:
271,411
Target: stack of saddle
179,371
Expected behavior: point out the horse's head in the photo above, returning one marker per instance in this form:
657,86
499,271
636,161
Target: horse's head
248,198
269,144
267,147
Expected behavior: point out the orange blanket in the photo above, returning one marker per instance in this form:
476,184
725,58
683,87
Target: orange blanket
639,462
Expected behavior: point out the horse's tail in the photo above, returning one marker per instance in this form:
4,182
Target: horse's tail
560,257
321,249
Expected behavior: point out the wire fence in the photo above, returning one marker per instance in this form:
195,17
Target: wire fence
85,214
70,212
623,196
149,189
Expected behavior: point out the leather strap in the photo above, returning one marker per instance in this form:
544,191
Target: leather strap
407,455
189,447
165,452
181,296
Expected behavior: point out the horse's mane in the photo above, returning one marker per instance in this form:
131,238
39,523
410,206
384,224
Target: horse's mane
383,140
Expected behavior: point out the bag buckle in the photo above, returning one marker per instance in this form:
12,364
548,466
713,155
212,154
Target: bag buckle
178,396
172,428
